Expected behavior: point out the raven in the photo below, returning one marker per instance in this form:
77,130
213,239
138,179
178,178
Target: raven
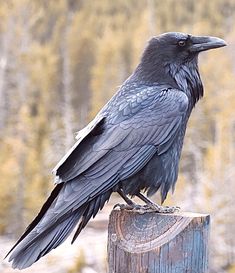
133,145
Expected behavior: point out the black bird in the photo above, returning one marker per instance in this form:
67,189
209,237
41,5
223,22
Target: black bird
132,145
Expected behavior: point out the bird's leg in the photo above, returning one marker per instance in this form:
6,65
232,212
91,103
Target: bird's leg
155,207
130,205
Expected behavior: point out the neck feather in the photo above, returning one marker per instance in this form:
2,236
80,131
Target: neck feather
183,76
188,79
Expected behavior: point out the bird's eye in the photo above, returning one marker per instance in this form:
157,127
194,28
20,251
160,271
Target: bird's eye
181,43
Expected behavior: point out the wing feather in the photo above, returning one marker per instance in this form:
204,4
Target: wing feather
156,123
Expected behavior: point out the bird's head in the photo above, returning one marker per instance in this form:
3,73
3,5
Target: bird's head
177,47
171,58
174,50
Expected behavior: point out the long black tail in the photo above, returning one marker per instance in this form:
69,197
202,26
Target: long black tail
40,238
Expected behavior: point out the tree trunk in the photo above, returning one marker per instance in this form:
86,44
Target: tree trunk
4,60
67,84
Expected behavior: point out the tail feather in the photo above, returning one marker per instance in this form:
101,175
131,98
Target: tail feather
40,215
40,239
34,246
93,207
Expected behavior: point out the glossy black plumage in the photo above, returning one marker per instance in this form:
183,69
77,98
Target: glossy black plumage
133,144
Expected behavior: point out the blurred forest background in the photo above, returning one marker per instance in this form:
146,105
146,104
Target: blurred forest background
60,61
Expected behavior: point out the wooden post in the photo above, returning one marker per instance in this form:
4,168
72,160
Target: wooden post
158,243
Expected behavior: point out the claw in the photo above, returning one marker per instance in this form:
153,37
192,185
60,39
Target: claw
164,209
155,207
141,209
147,208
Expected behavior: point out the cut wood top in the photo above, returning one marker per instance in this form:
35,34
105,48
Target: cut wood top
137,232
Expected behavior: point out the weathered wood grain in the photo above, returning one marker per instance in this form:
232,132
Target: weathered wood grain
158,243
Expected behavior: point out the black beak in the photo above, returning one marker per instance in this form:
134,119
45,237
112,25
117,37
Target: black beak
202,43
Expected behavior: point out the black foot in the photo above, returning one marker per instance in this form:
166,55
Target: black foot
162,209
155,207
134,206
147,208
